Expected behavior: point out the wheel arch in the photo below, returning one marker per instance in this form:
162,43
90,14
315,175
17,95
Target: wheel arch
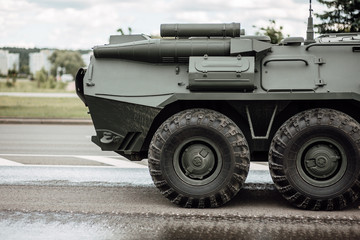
291,108
349,107
220,106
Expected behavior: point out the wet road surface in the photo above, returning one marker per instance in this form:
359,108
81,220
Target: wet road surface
95,226
93,212
72,190
114,203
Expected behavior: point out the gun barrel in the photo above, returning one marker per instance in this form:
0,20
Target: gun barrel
161,51
200,30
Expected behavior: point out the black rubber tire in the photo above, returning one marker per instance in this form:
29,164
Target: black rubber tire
230,163
296,175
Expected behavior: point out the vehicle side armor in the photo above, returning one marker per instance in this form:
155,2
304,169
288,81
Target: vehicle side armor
204,100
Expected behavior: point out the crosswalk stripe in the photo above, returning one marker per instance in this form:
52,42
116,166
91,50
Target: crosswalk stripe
114,162
5,162
257,166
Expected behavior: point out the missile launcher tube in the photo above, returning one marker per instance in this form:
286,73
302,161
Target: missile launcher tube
200,30
163,50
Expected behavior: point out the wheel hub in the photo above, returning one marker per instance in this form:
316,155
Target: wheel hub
198,161
321,162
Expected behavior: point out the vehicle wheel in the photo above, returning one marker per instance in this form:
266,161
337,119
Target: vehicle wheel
199,158
314,160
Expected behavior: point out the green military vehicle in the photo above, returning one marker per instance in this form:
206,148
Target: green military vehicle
204,100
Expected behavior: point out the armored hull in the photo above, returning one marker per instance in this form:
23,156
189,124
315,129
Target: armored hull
201,106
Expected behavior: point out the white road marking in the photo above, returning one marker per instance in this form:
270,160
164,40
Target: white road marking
38,155
114,162
257,166
5,162
119,161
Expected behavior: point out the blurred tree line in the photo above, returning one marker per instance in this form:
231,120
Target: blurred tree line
342,16
67,61
272,30
62,61
64,58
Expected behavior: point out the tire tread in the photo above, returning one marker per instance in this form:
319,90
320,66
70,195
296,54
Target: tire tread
288,130
228,129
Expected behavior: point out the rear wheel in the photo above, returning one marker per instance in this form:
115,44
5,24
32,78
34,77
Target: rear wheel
314,160
199,158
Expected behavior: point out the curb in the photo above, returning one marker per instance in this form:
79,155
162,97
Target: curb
45,121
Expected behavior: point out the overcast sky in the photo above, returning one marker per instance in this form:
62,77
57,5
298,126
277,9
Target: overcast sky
82,24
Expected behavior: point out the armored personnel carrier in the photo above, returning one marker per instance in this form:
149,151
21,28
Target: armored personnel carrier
204,100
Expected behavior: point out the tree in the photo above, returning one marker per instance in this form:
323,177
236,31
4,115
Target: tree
41,78
344,16
70,61
272,31
12,73
121,31
44,80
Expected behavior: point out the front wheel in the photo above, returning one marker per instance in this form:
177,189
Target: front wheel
314,160
199,158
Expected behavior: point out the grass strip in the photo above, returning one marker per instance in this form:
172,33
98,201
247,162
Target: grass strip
39,107
28,86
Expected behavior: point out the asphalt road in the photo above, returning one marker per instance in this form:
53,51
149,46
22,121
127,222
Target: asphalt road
56,184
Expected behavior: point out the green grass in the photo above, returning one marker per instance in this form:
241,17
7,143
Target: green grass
23,85
36,107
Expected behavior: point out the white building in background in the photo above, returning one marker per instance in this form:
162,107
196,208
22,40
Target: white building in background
3,62
9,61
40,60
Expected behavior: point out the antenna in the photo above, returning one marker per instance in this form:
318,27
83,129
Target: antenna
310,28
